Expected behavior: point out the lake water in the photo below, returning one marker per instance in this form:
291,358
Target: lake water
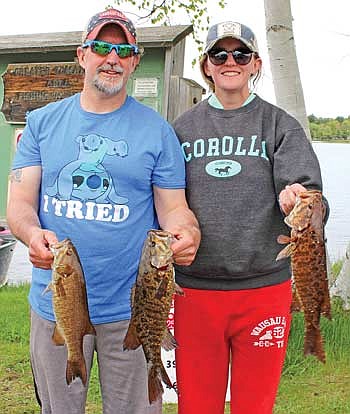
335,166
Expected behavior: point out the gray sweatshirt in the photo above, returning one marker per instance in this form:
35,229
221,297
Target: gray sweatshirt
237,163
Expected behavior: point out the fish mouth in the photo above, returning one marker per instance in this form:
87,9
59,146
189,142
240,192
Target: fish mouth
54,248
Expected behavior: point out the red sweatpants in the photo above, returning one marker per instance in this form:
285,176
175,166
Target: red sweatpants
245,331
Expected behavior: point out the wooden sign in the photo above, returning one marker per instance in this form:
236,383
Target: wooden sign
30,86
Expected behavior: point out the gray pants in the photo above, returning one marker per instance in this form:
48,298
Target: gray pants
122,374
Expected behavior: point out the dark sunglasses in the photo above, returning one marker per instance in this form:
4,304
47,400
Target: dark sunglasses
104,48
219,56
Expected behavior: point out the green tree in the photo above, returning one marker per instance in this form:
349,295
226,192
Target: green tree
313,119
329,128
162,12
278,16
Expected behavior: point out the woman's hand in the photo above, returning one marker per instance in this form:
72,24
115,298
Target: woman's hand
287,197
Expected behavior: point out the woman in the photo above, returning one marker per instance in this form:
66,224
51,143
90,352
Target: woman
246,162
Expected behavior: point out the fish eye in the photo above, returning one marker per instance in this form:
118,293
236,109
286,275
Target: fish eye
69,252
153,244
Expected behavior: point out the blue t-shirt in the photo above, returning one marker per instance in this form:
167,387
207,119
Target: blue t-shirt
97,176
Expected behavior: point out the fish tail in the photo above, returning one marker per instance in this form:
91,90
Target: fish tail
76,369
313,344
155,387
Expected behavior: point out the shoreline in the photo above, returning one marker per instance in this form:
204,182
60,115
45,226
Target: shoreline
332,141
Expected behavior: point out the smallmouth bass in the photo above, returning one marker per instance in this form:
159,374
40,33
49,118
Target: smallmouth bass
151,298
309,266
70,307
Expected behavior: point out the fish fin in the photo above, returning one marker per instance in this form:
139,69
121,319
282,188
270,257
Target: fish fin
59,288
48,288
282,239
131,340
165,378
57,337
313,343
132,295
169,342
178,290
76,369
286,252
56,288
162,289
90,329
155,387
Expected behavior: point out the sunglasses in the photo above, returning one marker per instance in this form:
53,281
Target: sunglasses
219,56
104,48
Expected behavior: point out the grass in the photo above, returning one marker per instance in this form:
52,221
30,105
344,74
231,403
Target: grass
307,386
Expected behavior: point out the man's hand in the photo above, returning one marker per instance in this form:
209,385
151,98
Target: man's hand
39,248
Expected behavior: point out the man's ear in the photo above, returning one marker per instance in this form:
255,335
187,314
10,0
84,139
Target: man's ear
81,56
136,62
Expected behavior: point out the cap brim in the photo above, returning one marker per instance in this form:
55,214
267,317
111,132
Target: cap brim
213,42
96,30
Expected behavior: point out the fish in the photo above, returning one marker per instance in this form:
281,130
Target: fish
151,299
307,249
70,307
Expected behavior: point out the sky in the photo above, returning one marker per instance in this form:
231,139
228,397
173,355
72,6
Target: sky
321,32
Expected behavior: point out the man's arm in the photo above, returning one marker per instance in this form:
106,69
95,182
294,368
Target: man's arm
175,216
22,215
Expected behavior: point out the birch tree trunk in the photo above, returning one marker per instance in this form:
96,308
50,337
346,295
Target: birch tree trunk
289,96
283,60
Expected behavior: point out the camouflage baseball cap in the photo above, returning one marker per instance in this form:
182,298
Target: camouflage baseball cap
109,16
231,29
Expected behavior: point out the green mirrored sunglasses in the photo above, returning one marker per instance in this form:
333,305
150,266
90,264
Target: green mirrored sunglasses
104,48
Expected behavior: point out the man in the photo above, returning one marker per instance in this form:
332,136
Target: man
101,169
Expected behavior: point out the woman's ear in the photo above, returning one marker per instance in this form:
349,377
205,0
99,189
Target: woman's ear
257,66
205,68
